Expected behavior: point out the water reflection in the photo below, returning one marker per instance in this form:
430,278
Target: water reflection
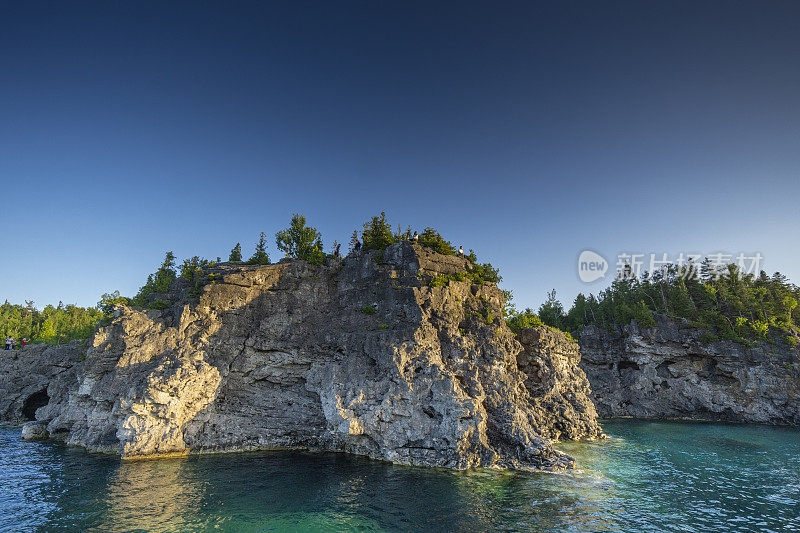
149,494
650,476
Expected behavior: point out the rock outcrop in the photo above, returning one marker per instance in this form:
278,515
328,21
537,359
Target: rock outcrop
666,372
37,376
361,355
558,387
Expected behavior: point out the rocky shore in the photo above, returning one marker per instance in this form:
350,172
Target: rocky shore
666,372
362,355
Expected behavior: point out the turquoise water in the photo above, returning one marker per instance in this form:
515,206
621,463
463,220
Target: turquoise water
647,477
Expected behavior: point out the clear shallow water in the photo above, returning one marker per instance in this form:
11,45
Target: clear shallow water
648,477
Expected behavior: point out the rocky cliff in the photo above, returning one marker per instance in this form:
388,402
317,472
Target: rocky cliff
666,372
558,387
37,376
362,355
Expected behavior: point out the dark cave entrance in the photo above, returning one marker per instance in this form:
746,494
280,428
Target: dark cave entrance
33,402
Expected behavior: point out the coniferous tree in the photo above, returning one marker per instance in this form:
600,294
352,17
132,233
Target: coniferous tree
353,240
377,233
260,256
301,241
157,283
551,312
236,254
722,300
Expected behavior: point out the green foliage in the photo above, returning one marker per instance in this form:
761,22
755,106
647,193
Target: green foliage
51,325
260,256
483,273
236,254
377,233
529,319
353,240
158,303
430,238
727,304
157,283
443,279
707,337
403,235
526,319
551,312
478,276
301,241
567,334
109,300
368,310
194,269
384,326
509,309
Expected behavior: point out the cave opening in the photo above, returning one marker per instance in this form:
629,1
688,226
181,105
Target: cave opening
627,365
33,402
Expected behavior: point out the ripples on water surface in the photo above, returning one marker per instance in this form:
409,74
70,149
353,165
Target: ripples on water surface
647,477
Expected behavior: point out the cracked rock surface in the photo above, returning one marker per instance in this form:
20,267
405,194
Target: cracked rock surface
665,372
360,355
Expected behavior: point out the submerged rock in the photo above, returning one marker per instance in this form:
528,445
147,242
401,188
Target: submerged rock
361,355
34,431
666,372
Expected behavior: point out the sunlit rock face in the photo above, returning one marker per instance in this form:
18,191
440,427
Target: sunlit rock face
360,355
665,372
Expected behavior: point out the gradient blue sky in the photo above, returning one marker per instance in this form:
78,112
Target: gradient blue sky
526,131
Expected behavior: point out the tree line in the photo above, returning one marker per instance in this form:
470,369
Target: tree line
51,325
297,241
725,302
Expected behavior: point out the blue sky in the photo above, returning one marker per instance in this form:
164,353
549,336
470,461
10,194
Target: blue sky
528,132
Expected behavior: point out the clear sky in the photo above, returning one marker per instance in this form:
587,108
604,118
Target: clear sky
526,131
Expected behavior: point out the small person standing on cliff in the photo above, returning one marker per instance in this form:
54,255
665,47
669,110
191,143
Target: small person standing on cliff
460,251
9,343
23,343
415,238
357,245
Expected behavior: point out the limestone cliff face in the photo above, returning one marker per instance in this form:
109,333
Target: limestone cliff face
665,372
35,377
360,356
558,387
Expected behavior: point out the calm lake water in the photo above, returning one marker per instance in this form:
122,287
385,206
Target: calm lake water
647,477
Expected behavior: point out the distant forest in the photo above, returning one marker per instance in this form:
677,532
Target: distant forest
723,301
50,325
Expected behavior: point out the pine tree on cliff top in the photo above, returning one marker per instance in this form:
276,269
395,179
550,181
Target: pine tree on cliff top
301,241
260,256
236,254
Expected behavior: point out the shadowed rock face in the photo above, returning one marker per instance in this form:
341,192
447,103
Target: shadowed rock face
558,387
35,376
360,356
665,372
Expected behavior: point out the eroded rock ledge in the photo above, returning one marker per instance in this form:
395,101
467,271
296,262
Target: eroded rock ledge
360,356
666,372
